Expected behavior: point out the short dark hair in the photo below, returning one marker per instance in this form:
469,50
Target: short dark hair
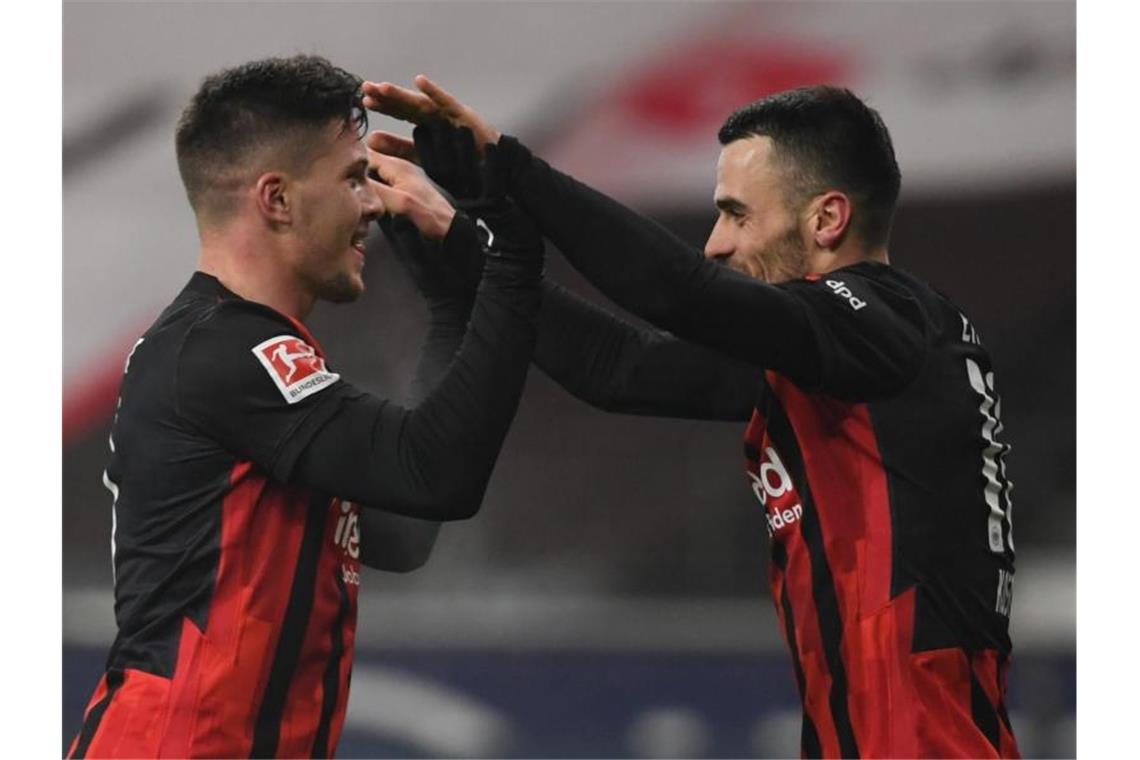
829,139
281,102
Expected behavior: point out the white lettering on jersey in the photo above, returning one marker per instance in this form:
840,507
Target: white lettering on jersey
347,534
1004,593
773,479
969,334
772,482
294,367
840,289
993,462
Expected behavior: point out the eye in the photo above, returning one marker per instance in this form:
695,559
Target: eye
357,176
736,215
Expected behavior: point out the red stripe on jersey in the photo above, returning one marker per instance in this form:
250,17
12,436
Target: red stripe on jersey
100,693
991,674
303,713
132,723
944,726
797,584
848,484
262,527
879,668
796,581
308,336
184,686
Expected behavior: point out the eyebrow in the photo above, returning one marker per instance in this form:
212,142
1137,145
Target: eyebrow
731,205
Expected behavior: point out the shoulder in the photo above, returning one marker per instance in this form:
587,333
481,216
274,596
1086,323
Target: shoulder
868,291
235,345
239,319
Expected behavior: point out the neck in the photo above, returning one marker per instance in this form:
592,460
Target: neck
823,261
253,266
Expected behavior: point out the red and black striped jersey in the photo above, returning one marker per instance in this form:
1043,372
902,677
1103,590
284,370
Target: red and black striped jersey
888,508
235,591
874,449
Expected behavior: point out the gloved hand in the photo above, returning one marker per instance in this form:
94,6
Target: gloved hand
444,271
479,187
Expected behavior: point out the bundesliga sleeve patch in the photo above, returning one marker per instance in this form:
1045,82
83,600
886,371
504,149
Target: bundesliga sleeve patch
294,367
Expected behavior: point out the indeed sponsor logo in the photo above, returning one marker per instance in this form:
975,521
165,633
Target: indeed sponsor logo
840,289
778,519
770,483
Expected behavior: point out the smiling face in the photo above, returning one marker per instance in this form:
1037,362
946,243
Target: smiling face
758,231
333,205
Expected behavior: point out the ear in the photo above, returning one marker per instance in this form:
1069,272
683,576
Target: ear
273,199
831,220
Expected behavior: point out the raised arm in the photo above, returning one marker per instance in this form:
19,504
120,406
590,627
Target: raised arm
615,365
799,328
612,363
433,461
631,259
430,461
604,360
389,541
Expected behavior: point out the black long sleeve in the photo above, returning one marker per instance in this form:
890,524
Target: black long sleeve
392,542
600,358
649,271
618,366
433,461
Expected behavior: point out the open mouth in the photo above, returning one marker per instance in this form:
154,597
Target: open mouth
360,241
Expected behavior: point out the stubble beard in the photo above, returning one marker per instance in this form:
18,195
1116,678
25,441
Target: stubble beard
340,288
785,259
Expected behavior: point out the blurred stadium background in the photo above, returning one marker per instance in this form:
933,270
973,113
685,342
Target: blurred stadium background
610,599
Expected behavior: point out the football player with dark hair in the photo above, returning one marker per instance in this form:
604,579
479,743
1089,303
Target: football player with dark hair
872,442
250,481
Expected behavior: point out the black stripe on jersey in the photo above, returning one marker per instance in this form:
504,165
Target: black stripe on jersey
809,738
1002,712
332,675
983,713
823,582
91,722
267,729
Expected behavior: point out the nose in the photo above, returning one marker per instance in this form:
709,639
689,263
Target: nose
371,204
720,244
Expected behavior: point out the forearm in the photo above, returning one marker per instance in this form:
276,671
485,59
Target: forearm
632,259
433,461
652,273
397,543
617,366
447,324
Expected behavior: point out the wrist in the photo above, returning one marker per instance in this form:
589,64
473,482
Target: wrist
443,218
515,156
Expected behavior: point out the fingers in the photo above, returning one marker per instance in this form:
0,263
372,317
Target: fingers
458,113
392,145
441,98
398,102
405,191
391,169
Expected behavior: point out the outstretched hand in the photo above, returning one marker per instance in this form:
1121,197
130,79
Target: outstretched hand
418,107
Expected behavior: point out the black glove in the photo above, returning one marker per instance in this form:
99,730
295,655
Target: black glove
479,187
444,271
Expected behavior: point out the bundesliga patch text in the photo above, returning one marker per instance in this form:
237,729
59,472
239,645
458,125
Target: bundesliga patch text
294,367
